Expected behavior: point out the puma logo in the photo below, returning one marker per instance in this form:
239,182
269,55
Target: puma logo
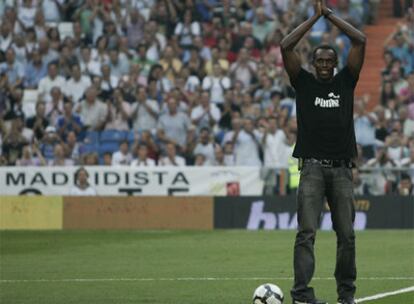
332,102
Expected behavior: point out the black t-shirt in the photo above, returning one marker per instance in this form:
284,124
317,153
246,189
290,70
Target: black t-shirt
325,116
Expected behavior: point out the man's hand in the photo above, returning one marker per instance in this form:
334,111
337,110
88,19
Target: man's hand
325,10
318,6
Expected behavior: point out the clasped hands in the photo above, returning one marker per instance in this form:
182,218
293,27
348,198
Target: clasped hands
321,9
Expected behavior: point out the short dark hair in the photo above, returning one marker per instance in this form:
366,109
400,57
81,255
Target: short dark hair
324,47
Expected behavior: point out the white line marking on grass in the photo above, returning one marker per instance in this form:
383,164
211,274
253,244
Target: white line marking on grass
80,280
385,294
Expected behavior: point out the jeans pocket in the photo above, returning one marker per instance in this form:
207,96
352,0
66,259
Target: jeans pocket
305,170
348,173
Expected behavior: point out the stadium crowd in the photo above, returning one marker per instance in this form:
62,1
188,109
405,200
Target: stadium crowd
176,83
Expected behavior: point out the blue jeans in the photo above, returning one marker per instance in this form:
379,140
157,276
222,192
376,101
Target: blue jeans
316,183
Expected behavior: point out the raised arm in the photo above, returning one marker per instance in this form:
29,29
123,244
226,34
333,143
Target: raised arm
358,40
290,59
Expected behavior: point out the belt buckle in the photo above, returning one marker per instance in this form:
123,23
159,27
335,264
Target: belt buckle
327,163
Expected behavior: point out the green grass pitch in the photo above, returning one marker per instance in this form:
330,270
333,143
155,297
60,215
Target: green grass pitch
157,266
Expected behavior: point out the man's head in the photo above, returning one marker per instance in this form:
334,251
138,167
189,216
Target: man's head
325,59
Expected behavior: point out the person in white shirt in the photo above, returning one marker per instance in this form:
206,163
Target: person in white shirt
87,64
205,147
246,143
173,126
82,186
142,159
26,13
186,30
51,80
123,156
206,114
216,84
6,35
144,111
77,84
272,141
52,9
171,158
92,111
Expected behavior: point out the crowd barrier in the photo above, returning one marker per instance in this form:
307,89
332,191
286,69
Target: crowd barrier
253,213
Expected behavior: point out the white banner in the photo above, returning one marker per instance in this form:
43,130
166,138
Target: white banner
211,181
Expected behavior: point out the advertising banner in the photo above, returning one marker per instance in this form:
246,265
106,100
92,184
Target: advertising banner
253,213
124,180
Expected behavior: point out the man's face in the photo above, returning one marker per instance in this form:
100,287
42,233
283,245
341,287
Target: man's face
52,70
325,62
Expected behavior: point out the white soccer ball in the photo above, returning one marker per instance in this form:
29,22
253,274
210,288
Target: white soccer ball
268,294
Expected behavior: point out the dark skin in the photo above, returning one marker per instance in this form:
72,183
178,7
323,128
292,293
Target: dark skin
324,60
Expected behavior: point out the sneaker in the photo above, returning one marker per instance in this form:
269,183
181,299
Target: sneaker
346,301
310,302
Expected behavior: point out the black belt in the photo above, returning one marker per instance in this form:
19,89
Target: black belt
329,163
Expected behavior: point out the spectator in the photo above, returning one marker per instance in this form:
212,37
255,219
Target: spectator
205,147
118,112
381,181
407,122
163,84
90,159
171,158
72,147
398,44
59,157
87,64
82,186
51,80
173,126
48,143
148,140
31,156
68,122
405,186
396,150
360,187
35,70
77,84
12,69
6,35
262,27
15,104
244,68
170,63
246,144
217,84
109,81
48,54
365,129
92,111
118,62
186,30
54,108
200,160
135,28
107,159
144,111
39,122
206,114
123,156
142,159
272,141
13,142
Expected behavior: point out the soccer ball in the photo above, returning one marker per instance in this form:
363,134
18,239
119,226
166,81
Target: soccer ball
268,294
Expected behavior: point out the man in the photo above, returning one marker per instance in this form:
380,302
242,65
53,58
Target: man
77,84
325,146
53,79
206,114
